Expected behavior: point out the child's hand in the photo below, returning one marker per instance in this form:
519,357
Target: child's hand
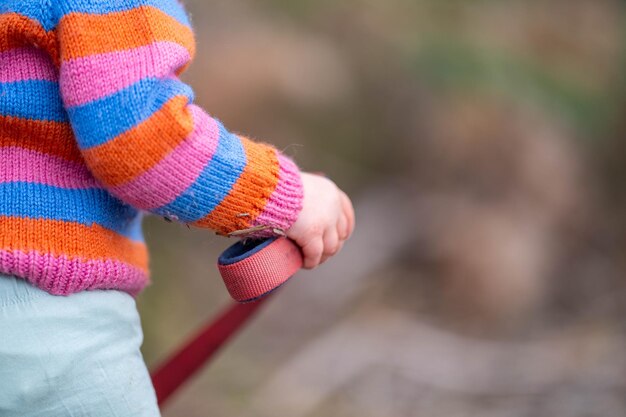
325,222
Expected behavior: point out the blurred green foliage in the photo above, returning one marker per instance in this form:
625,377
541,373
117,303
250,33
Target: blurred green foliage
457,67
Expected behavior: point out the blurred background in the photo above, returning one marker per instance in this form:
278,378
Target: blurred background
483,144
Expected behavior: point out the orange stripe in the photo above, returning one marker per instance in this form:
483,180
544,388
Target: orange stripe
70,239
17,30
88,34
249,194
152,140
54,138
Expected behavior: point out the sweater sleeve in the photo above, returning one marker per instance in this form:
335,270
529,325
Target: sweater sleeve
140,133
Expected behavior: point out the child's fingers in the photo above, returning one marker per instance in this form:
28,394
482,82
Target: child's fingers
326,257
331,243
348,211
343,228
312,252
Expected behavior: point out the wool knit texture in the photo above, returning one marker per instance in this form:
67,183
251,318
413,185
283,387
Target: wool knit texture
96,128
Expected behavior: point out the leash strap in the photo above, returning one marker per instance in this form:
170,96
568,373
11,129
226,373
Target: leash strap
250,271
177,369
253,269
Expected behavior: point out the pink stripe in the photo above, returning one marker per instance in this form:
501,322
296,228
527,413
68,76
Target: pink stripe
177,171
62,275
22,64
25,165
91,78
285,203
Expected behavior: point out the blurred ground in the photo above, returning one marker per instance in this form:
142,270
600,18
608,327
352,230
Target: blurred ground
483,142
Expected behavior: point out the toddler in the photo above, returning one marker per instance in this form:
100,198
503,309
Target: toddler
95,129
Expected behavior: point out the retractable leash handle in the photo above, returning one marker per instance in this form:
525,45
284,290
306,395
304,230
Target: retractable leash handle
251,270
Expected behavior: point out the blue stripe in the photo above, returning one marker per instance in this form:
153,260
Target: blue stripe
32,99
39,201
101,7
49,18
213,184
99,121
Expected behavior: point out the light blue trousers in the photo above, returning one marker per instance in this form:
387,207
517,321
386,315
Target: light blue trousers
73,356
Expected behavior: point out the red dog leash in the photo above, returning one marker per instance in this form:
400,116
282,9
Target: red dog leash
251,270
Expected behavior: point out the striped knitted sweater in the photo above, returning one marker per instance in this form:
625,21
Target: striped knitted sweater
96,128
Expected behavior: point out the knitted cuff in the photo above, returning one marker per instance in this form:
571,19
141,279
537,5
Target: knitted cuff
266,199
285,203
